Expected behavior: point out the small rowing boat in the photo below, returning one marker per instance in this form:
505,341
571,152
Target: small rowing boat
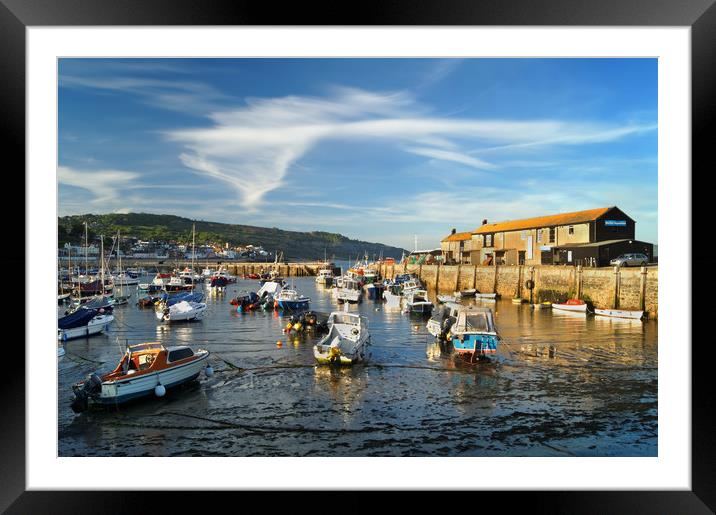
619,313
571,305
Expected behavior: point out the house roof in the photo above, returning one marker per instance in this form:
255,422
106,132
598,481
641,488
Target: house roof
458,236
575,217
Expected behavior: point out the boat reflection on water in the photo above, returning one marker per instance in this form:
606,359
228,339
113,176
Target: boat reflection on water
344,386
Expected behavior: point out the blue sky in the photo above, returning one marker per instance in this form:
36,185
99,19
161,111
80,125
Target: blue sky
376,149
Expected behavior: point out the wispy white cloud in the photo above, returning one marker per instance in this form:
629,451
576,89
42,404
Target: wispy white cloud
105,186
456,157
181,95
252,148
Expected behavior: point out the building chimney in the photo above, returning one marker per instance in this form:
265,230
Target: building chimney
484,222
453,231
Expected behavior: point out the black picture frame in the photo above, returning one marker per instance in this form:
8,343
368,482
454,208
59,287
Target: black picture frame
700,15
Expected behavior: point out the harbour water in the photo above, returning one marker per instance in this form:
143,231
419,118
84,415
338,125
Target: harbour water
561,384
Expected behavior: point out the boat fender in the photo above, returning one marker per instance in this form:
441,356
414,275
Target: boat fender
209,371
529,284
159,390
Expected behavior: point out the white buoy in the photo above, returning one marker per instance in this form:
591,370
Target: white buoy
159,390
209,371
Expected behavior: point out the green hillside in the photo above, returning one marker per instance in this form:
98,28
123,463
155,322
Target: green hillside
170,228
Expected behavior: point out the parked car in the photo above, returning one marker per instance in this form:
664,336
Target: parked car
630,259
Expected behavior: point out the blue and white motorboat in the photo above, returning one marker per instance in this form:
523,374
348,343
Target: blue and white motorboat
474,334
291,300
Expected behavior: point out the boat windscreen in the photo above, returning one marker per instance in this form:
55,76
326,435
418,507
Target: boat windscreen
477,322
345,319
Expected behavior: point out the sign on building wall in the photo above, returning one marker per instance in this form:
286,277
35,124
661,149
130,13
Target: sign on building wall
615,223
529,247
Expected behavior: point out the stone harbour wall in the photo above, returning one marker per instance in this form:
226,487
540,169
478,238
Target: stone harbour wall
607,288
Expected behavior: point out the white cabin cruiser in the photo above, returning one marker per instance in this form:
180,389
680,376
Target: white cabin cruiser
184,310
416,301
346,342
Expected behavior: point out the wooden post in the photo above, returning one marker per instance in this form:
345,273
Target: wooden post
457,279
617,280
642,290
532,278
579,281
393,270
519,281
494,284
474,277
437,279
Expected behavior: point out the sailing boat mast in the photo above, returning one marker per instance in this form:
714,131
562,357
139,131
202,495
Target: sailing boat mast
86,249
120,274
101,258
193,243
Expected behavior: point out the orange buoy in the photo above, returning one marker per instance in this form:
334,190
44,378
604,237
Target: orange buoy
279,343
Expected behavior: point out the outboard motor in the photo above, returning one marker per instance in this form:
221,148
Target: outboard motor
92,386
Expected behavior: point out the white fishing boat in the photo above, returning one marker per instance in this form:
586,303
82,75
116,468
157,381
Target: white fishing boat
393,296
350,291
473,334
466,293
124,279
486,296
571,305
448,298
542,305
409,285
346,342
83,323
63,296
416,301
619,313
181,311
325,277
145,369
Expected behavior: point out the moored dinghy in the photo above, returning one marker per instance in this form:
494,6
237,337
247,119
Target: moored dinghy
619,313
145,369
571,305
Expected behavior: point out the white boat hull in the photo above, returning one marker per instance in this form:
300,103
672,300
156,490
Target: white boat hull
177,314
618,313
95,326
486,296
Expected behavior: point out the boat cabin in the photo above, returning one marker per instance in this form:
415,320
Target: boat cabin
474,320
149,357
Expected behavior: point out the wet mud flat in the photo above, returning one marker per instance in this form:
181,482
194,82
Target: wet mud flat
560,385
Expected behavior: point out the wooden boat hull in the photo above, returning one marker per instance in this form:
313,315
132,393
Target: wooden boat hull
618,313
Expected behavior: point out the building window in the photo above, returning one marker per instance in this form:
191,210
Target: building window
551,234
539,235
570,230
488,240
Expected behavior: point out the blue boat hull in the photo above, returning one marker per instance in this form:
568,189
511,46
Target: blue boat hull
475,344
293,305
